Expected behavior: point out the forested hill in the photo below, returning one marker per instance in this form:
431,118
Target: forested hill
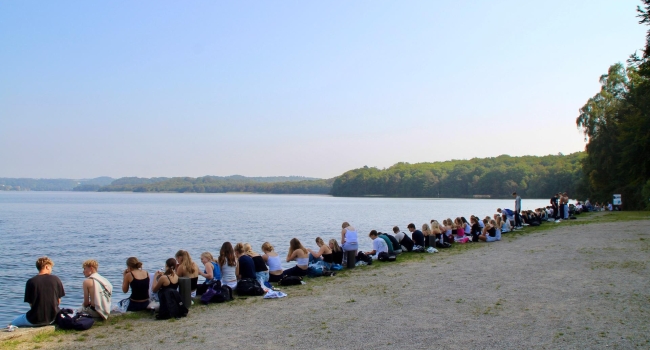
530,176
27,184
219,184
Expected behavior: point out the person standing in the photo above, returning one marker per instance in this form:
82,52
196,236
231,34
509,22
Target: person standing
43,292
554,205
517,210
97,291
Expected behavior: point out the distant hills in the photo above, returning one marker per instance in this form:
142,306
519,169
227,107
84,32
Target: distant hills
494,177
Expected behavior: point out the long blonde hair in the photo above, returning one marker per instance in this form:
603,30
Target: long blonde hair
435,227
187,263
208,256
426,230
335,245
295,244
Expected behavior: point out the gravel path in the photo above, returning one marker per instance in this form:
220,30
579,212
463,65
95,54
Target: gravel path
572,287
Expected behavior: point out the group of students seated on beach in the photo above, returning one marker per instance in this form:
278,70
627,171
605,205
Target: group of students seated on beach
235,263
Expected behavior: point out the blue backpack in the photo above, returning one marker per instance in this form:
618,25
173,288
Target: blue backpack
80,322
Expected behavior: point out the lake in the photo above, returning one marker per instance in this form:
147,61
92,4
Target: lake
71,227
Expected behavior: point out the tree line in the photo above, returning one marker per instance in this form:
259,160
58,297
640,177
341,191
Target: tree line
216,184
616,124
497,177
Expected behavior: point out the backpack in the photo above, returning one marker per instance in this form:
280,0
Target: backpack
216,293
249,286
290,280
443,245
80,322
383,256
365,258
171,304
407,242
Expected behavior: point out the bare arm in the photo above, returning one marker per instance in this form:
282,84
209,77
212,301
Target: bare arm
291,255
342,236
320,252
88,283
209,271
160,282
126,281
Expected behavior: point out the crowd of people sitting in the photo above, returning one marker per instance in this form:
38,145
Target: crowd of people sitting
241,262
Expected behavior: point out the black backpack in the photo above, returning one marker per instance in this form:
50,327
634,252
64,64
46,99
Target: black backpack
290,280
249,286
80,322
171,304
363,257
216,293
407,242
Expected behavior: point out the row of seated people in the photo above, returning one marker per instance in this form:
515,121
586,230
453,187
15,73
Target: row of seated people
235,263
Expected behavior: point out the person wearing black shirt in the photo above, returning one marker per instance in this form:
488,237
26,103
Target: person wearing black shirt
554,204
416,235
43,292
245,263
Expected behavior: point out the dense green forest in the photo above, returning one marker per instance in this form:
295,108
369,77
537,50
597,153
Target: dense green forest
616,124
24,184
530,176
218,184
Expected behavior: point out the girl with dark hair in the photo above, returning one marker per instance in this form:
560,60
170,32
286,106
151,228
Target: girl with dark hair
228,265
171,280
138,279
300,254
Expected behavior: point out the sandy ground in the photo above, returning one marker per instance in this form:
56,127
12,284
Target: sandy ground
583,286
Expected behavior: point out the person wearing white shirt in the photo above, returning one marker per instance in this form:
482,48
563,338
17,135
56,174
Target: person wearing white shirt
378,245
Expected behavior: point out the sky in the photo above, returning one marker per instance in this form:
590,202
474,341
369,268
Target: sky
310,88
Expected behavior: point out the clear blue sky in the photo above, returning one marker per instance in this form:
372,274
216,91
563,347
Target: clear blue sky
193,88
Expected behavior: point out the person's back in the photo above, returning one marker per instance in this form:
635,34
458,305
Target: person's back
246,267
97,291
389,244
43,292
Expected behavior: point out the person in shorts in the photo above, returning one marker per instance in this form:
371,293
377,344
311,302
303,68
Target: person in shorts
43,292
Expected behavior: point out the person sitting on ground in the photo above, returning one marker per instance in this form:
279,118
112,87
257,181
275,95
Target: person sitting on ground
467,227
475,230
389,244
245,263
509,214
460,231
497,235
167,279
502,224
138,279
394,245
187,268
273,261
403,239
349,239
479,221
436,231
97,291
300,254
489,233
261,270
211,272
43,293
416,236
228,265
323,254
448,234
378,245
337,252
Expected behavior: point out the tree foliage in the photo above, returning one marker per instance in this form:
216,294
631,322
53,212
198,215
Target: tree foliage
535,177
616,124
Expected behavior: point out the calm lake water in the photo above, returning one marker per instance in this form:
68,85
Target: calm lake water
71,227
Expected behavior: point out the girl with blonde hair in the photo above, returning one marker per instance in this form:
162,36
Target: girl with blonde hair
261,271
337,252
273,261
323,254
211,272
185,267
